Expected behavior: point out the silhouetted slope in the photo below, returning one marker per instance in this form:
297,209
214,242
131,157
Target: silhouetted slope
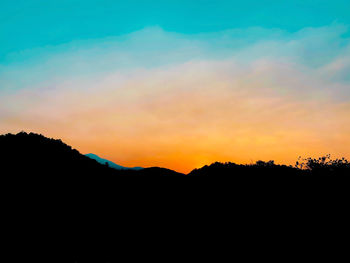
30,154
232,170
157,171
323,166
110,164
24,154
59,202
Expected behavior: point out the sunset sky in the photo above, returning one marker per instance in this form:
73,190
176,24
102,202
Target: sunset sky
179,83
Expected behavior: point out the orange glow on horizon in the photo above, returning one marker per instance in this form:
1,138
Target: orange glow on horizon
187,117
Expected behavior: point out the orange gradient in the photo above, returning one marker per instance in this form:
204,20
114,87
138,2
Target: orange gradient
189,115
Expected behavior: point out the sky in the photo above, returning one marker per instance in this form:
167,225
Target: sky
179,84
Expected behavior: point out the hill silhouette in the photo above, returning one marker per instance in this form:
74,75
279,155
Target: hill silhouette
109,163
323,166
260,169
68,207
25,154
62,203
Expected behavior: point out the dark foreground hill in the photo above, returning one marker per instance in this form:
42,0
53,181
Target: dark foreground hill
321,167
32,155
259,170
61,206
109,163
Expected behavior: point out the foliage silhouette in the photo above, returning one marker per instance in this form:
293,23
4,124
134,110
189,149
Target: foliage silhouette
29,153
260,170
324,166
60,202
84,211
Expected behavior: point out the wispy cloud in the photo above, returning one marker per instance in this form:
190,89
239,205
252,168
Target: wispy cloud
160,98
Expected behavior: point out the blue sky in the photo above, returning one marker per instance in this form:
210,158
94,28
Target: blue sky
179,84
26,24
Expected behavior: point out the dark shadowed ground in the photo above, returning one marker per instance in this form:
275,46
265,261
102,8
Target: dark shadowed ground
61,206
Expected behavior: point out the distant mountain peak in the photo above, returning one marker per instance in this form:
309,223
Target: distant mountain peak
110,164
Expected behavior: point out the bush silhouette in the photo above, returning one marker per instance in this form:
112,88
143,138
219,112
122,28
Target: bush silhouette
71,202
25,154
324,165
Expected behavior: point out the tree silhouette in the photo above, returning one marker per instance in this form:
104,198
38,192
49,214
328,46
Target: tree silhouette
29,153
324,165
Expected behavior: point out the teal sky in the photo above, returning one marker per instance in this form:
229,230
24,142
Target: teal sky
179,83
27,24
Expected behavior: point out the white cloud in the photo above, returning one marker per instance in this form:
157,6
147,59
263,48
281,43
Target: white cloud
228,87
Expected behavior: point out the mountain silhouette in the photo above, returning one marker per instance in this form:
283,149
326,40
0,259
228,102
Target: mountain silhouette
25,154
29,153
258,170
323,166
83,211
110,164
